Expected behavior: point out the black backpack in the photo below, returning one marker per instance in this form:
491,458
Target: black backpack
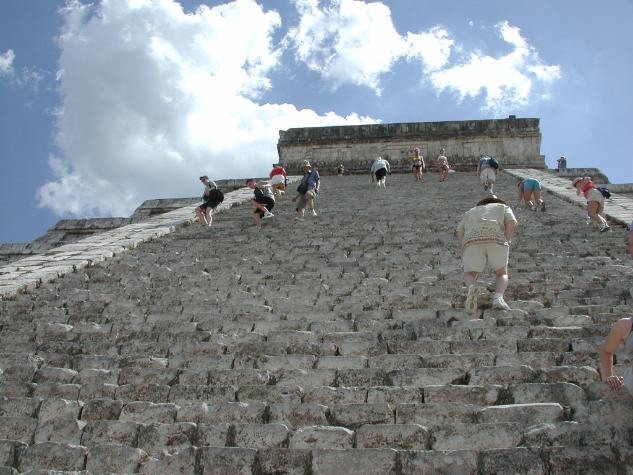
605,191
493,163
215,196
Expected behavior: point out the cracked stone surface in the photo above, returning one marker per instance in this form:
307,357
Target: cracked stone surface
335,345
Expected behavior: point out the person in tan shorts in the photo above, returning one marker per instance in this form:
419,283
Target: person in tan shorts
485,232
442,165
595,201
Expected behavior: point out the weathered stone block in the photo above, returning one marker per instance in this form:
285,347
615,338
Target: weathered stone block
182,462
54,456
102,409
153,438
458,462
465,394
356,415
18,428
426,376
148,412
354,461
114,459
329,437
287,461
110,432
393,395
435,414
517,461
213,435
62,430
227,460
261,435
525,414
298,415
396,436
476,436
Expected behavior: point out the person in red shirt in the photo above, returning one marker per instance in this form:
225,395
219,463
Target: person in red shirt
278,179
595,200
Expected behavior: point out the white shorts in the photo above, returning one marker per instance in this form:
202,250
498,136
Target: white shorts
276,179
595,195
476,255
487,175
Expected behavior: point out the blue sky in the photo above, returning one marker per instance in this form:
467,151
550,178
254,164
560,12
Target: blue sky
108,104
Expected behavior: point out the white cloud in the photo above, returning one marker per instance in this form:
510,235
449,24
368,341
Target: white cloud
432,47
506,82
152,98
6,63
347,41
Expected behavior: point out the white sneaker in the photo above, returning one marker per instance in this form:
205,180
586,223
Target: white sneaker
314,213
471,298
268,214
604,228
499,304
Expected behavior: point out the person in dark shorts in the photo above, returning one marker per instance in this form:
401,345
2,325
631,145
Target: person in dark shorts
418,165
379,170
211,199
264,201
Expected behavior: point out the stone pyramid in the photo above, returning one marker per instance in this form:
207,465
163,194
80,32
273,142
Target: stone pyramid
334,346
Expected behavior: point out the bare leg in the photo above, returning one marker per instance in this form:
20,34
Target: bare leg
501,281
200,215
593,210
209,216
470,277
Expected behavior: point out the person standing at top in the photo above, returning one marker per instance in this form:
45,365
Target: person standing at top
442,165
418,165
307,191
278,179
562,163
379,170
485,233
487,170
340,170
595,201
212,197
525,189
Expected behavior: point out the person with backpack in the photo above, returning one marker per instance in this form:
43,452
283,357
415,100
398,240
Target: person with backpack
264,201
307,191
487,170
485,233
595,200
379,170
526,188
212,198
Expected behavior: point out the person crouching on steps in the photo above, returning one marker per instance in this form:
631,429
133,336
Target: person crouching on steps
595,201
264,201
485,232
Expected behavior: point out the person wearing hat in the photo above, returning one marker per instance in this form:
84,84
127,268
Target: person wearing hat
307,190
595,201
485,233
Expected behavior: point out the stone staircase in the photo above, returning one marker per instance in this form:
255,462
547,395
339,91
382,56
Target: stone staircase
334,346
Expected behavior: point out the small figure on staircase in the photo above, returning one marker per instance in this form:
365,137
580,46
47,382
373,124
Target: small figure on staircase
526,188
442,165
485,233
278,179
264,201
595,201
487,170
212,197
418,165
379,170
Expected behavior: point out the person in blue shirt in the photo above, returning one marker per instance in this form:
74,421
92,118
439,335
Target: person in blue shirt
307,191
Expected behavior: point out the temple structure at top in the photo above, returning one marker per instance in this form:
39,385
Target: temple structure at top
515,142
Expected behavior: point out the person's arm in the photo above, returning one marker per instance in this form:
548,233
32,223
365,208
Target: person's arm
509,223
607,350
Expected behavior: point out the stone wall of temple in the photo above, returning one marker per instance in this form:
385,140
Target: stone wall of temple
516,142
